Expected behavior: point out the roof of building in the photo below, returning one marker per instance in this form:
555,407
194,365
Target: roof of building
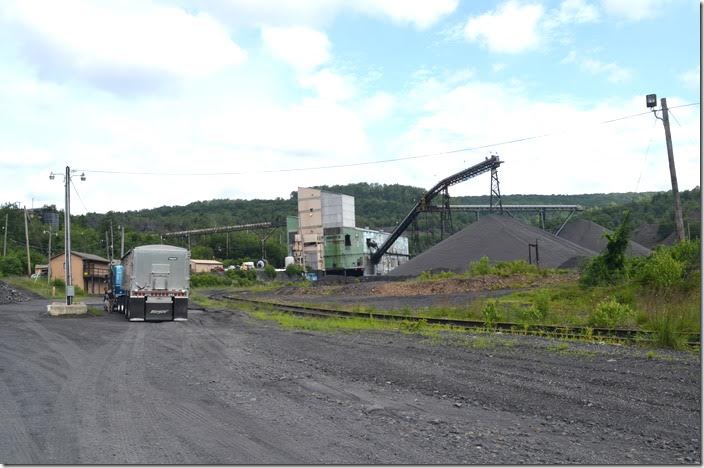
86,256
207,262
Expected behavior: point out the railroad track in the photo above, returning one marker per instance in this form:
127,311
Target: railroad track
693,339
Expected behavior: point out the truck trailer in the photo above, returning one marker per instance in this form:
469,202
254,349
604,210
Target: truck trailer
154,284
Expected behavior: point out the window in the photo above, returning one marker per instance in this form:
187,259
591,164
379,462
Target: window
348,240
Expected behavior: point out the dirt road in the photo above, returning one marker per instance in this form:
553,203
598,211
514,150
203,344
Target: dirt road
223,388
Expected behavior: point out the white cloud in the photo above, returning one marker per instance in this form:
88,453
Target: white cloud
318,13
301,47
119,46
571,159
613,72
511,28
576,11
329,85
378,107
633,10
420,13
691,78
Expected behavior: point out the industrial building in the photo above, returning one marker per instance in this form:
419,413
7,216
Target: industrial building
89,272
324,237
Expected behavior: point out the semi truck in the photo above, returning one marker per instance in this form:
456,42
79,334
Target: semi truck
151,284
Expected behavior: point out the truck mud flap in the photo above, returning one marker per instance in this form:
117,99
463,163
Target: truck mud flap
159,309
180,308
135,309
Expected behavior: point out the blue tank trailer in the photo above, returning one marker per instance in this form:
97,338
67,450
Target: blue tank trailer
151,283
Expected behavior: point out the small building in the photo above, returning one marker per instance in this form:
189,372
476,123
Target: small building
40,270
89,272
205,266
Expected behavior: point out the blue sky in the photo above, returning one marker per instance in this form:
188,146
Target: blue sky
232,99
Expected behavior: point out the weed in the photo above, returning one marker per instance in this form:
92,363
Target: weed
668,333
480,267
412,326
95,311
482,342
610,313
491,314
558,347
651,355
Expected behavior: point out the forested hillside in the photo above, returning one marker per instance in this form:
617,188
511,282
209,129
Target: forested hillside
377,206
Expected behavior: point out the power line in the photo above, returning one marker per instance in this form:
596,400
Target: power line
79,195
366,163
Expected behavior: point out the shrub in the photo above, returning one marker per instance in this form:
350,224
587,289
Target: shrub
270,271
12,265
514,267
610,266
481,267
58,283
610,313
688,253
202,280
294,270
661,272
541,303
242,278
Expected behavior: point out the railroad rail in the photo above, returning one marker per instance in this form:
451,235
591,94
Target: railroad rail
693,339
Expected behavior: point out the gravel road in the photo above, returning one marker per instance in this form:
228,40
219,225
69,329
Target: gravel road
223,388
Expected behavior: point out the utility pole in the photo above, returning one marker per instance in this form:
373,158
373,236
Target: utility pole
122,241
107,245
4,245
48,262
67,236
651,102
673,175
26,238
67,232
112,243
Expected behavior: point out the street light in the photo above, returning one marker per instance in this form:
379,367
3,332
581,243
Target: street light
651,100
67,230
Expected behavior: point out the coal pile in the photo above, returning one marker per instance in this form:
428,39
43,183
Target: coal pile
10,295
591,236
500,238
649,236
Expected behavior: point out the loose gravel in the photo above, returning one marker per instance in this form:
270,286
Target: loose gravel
10,295
224,388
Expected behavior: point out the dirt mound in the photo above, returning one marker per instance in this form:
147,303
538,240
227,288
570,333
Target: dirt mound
10,295
591,236
501,239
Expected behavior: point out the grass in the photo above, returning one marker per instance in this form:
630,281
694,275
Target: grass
40,286
95,311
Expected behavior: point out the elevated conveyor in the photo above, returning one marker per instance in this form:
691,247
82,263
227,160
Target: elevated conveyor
489,164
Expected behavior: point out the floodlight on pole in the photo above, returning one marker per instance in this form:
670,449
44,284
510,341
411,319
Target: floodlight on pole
651,100
67,231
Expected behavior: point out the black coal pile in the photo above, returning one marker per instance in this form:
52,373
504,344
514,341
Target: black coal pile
591,236
10,295
500,238
649,235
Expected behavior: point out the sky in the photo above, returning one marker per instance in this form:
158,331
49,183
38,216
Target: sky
171,102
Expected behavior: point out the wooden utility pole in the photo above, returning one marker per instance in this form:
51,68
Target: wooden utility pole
26,238
679,224
48,262
4,245
122,241
107,245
